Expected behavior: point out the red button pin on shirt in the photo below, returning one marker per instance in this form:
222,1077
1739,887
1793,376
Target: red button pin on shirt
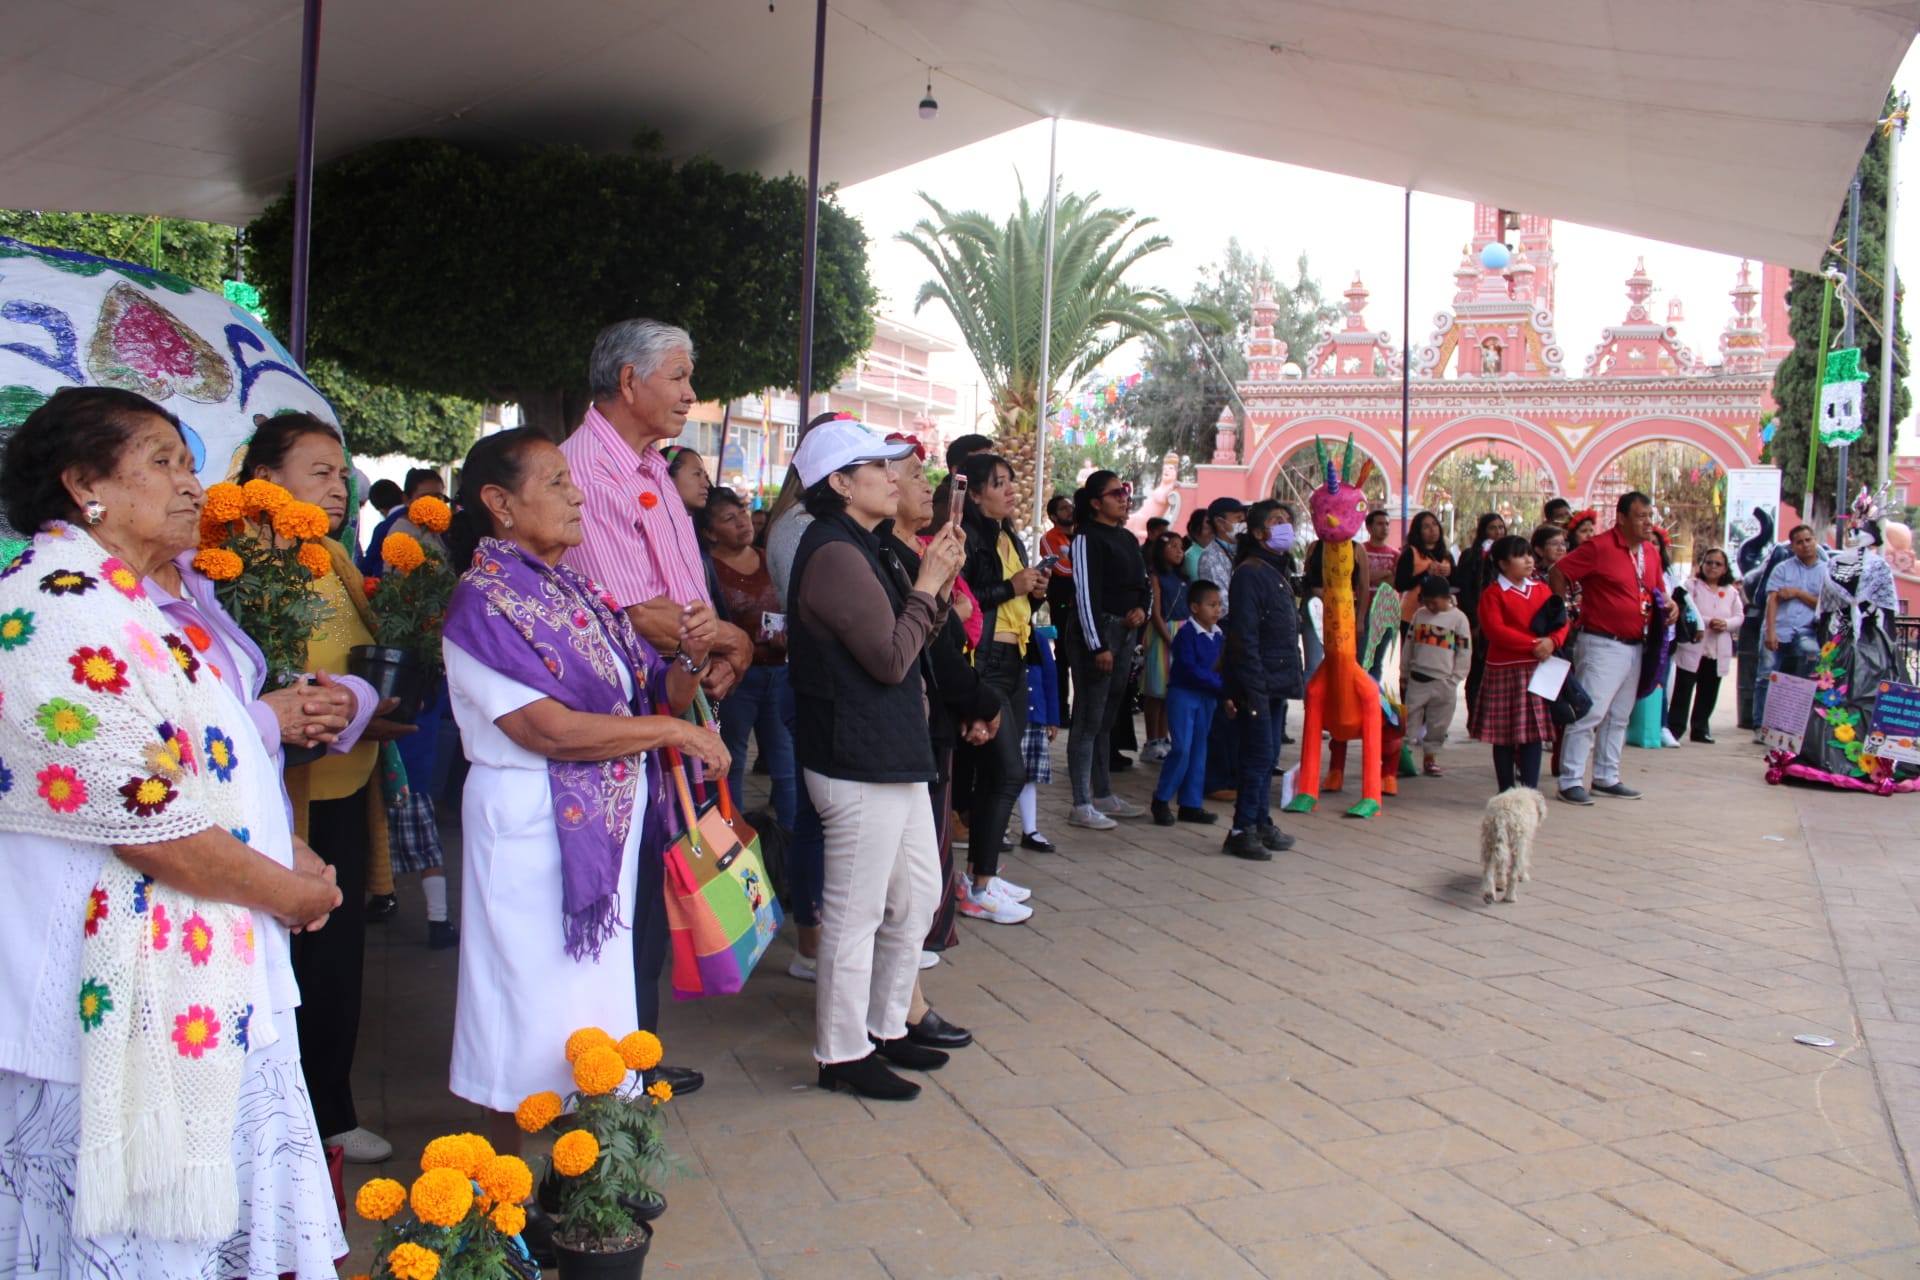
649,500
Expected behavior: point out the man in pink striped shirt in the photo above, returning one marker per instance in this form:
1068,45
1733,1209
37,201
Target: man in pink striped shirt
637,538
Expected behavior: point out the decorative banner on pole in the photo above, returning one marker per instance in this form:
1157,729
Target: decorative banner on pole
1753,508
1840,398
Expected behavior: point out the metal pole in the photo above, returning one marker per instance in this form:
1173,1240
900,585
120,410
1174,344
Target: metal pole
303,182
1040,485
1819,377
1889,284
1841,470
810,246
1406,364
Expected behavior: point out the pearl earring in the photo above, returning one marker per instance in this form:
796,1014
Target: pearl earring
94,510
506,522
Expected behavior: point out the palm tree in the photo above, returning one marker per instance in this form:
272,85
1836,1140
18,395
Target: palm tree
989,276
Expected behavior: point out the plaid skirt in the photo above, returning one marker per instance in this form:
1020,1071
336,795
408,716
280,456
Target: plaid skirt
1039,754
1509,715
413,834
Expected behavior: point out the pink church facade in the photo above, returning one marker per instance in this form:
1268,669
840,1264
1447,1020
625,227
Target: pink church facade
1493,370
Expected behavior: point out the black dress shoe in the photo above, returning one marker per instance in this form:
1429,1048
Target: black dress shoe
867,1077
381,906
1117,763
1193,813
683,1079
1035,841
1706,738
936,1032
905,1053
1272,837
1162,813
1246,844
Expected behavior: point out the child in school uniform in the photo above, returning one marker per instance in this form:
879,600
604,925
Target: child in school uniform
1513,720
1439,655
1043,724
1193,693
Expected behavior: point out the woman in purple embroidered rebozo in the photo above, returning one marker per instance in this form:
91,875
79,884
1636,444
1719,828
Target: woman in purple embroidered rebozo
561,706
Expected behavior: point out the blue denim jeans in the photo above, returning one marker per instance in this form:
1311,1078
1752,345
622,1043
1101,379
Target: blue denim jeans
1259,748
1799,650
762,705
1184,771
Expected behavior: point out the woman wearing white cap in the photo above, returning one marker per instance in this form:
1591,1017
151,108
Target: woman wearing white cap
859,631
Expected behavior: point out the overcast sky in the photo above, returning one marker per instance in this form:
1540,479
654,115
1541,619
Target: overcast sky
1202,197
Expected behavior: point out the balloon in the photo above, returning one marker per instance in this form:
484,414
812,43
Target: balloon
1495,256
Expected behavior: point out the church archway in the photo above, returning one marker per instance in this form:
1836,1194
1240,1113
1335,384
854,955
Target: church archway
1487,474
1280,445
1688,487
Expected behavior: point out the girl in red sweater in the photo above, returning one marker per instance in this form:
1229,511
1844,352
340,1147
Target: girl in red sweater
1512,720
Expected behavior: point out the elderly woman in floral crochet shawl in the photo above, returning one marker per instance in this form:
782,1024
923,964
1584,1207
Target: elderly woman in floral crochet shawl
152,1116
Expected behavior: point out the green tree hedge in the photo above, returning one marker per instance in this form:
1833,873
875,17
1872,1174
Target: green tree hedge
487,273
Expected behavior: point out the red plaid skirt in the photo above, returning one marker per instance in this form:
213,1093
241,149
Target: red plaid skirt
1509,715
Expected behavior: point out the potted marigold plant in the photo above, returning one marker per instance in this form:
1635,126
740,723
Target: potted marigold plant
467,1215
602,1181
409,607
262,550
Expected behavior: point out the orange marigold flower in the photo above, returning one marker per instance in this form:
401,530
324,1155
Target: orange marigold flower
661,1091
442,1197
430,513
537,1110
463,1151
640,1050
379,1199
301,520
575,1152
599,1070
314,559
402,551
214,533
219,564
509,1219
506,1178
225,503
264,497
410,1261
584,1039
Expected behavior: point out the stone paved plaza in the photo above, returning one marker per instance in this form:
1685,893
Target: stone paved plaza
1338,1064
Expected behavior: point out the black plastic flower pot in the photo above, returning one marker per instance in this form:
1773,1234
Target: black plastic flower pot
611,1264
393,673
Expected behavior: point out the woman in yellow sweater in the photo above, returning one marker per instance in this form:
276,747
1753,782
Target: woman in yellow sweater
336,800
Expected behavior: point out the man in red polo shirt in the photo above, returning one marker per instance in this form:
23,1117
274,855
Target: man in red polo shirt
1620,582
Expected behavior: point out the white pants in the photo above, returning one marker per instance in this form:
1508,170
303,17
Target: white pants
1610,673
881,887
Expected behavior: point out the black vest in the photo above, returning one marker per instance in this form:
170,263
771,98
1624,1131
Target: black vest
849,724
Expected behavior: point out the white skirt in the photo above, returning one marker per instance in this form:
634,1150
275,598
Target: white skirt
521,994
289,1224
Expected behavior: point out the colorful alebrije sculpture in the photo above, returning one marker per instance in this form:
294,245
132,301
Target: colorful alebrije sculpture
1341,697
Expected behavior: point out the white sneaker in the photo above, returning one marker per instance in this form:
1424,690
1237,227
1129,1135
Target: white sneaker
361,1146
985,904
1667,739
1158,749
1085,815
1009,890
1115,807
805,968
928,959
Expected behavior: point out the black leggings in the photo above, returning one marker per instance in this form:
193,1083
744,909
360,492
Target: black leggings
1000,766
1523,758
329,964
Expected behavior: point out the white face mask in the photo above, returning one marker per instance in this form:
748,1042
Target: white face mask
1239,527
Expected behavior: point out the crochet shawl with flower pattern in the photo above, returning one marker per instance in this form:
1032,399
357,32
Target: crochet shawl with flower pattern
111,733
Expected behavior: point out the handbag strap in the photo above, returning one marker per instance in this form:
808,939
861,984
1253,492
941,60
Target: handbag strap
702,714
677,769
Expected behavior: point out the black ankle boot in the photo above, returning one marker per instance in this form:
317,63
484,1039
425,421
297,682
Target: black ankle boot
909,1053
869,1078
1194,813
1162,814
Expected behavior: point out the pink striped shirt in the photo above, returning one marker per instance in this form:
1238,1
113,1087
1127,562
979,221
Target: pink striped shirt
637,540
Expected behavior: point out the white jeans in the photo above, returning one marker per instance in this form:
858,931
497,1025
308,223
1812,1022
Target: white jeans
1610,673
876,904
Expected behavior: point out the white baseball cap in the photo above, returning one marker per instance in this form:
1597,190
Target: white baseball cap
843,442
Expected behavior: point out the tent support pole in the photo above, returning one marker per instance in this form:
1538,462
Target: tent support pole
1406,364
303,182
810,247
1040,486
1890,288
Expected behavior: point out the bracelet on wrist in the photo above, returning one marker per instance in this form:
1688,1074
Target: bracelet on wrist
686,663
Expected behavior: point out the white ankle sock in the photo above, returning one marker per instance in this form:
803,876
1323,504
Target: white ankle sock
435,887
1029,806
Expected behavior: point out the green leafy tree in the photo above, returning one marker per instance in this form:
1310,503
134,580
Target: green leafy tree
1191,371
1794,385
487,273
990,276
378,419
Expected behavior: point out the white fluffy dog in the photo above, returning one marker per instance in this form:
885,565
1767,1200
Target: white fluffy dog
1506,841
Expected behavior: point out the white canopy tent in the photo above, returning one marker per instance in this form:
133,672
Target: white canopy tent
1727,124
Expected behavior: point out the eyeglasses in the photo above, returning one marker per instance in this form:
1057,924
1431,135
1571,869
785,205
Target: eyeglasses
1114,493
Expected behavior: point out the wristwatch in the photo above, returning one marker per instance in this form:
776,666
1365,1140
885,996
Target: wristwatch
688,665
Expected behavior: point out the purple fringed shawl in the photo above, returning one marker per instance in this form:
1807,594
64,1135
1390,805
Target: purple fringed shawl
548,627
